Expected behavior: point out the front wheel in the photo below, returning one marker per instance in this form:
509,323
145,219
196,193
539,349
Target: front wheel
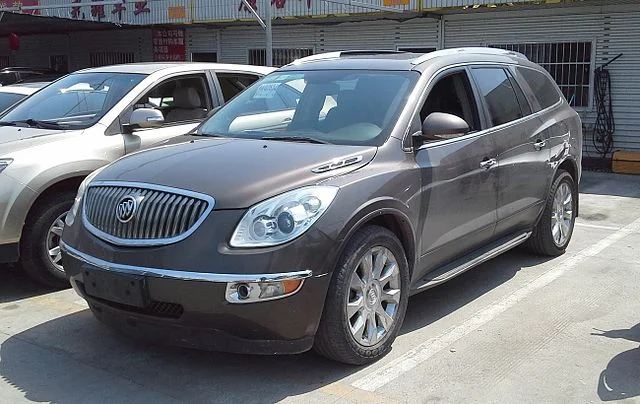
40,244
553,232
367,299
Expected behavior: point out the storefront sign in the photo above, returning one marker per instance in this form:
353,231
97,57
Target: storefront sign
169,45
22,3
176,12
391,3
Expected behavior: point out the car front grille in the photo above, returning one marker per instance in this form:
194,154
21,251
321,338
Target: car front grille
160,215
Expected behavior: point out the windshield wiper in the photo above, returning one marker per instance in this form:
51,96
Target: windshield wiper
304,139
35,124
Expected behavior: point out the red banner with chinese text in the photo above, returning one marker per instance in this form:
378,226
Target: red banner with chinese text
22,3
169,45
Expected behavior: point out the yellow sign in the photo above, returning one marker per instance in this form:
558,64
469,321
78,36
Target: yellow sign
390,3
177,12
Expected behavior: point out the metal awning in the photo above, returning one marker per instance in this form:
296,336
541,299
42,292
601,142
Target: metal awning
25,24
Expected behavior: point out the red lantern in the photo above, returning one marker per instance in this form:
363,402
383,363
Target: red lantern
14,42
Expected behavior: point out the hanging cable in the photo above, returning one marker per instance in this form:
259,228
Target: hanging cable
605,125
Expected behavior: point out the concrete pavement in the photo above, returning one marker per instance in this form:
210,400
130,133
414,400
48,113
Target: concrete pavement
519,328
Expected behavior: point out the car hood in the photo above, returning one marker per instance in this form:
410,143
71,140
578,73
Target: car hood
237,173
14,138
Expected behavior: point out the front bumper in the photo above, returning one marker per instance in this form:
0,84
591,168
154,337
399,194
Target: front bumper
189,308
15,201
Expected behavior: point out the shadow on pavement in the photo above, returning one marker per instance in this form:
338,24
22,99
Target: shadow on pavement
444,299
74,358
16,285
621,379
610,184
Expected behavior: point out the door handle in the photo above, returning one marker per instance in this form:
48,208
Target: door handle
487,164
540,144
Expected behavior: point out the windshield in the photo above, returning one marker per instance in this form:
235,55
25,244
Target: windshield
76,101
8,99
350,107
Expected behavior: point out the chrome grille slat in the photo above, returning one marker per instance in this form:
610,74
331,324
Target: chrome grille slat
147,196
155,213
162,215
172,212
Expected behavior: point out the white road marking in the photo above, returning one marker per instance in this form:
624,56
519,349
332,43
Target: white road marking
426,350
597,226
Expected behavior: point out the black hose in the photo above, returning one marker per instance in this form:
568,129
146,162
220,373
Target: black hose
605,125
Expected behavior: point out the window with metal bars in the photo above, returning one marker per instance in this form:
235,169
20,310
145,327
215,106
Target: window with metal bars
4,61
569,63
281,56
97,59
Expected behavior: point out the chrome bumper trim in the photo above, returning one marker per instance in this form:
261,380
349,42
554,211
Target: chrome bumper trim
182,275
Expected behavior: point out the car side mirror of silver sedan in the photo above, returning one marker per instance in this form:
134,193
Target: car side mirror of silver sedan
143,118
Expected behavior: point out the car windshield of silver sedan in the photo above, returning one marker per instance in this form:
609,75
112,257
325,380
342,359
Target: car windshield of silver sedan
75,101
349,107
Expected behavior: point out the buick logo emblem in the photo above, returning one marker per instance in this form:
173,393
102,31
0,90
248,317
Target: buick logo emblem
126,209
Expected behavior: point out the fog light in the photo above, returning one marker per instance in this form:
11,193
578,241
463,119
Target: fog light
251,292
244,290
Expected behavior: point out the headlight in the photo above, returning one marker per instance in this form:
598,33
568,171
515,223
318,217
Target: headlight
71,216
282,218
4,163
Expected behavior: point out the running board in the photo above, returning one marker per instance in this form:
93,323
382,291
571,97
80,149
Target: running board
474,259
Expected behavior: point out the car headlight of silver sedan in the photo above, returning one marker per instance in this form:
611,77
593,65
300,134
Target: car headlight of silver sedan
282,218
4,163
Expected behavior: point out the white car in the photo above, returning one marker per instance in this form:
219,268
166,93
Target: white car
12,94
52,140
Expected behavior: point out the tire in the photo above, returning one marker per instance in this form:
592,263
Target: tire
34,256
334,339
542,240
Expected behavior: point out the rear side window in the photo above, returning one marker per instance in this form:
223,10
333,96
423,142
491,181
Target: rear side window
234,83
497,91
544,90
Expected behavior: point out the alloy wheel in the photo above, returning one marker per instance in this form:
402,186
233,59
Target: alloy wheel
52,243
374,296
562,214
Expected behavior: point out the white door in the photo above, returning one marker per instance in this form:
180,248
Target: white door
184,102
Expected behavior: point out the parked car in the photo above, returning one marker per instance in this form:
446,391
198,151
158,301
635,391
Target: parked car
10,95
13,75
53,139
254,237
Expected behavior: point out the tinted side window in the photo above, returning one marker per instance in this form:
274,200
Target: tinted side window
498,93
452,94
234,83
522,99
544,90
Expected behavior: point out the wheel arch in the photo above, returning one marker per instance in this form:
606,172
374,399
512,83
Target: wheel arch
388,213
569,165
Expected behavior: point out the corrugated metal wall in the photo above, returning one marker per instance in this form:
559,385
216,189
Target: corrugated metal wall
81,44
35,50
612,30
621,34
202,40
389,35
235,42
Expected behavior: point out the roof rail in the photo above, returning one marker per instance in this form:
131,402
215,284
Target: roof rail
476,50
339,54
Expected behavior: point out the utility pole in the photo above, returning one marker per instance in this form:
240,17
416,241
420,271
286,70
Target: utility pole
269,35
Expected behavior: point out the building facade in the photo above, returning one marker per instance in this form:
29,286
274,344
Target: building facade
571,39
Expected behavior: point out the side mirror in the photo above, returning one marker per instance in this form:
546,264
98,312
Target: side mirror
439,125
144,118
